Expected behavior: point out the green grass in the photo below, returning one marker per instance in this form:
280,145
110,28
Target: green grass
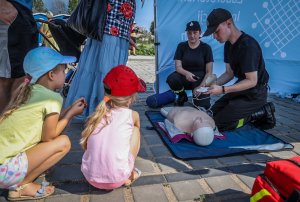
145,49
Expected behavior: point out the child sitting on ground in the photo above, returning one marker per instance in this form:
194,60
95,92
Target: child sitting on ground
31,126
111,139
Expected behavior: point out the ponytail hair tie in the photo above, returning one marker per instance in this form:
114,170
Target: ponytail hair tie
106,98
27,81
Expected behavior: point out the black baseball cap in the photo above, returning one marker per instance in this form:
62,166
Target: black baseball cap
216,17
193,26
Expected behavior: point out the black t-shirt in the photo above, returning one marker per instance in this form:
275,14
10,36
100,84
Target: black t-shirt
244,56
194,60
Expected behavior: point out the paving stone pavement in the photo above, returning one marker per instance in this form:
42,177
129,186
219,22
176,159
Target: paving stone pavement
166,178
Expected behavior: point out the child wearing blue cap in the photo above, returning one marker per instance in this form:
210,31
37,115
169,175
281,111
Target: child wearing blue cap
31,126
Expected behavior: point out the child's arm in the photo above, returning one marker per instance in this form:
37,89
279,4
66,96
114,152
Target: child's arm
76,108
136,119
49,127
64,111
54,124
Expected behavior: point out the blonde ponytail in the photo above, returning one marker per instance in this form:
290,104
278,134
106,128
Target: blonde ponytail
93,122
102,112
20,97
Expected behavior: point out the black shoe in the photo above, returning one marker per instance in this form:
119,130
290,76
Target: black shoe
270,120
265,119
182,98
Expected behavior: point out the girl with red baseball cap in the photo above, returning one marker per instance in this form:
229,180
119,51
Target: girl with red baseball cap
111,139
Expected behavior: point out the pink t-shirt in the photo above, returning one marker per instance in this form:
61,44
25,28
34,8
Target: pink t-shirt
106,159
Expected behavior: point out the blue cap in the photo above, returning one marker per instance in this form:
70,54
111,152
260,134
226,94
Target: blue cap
40,60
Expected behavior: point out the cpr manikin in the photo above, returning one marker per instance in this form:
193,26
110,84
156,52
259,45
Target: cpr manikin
195,122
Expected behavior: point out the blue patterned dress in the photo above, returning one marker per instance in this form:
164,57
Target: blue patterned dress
99,57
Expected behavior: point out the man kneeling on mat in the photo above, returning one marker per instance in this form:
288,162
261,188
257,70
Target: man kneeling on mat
192,121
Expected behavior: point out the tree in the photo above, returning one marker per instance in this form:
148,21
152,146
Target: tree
152,28
38,6
59,7
72,5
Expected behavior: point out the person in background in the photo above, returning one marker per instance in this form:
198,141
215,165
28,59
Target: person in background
35,143
193,61
46,31
98,57
133,36
18,35
111,138
246,99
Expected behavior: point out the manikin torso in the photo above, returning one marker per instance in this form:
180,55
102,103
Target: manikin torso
188,119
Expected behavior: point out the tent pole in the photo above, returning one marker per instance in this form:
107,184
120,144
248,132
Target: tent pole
156,49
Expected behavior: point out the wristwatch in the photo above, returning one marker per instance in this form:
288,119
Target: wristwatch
223,89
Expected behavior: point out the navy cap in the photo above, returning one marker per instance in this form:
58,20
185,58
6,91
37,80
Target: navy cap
216,17
193,26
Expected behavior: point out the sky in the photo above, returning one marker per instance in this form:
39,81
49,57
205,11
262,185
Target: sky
144,15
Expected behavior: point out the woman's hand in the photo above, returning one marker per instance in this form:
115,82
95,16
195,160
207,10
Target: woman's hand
190,77
8,12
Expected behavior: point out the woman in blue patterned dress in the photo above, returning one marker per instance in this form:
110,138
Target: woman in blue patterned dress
98,57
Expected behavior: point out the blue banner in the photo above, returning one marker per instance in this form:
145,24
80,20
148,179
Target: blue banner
275,24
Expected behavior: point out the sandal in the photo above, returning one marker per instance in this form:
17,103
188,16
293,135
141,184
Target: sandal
132,178
41,193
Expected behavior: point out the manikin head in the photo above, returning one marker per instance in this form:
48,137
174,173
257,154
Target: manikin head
203,134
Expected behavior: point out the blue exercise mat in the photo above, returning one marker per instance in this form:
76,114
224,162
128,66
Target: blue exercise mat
247,139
